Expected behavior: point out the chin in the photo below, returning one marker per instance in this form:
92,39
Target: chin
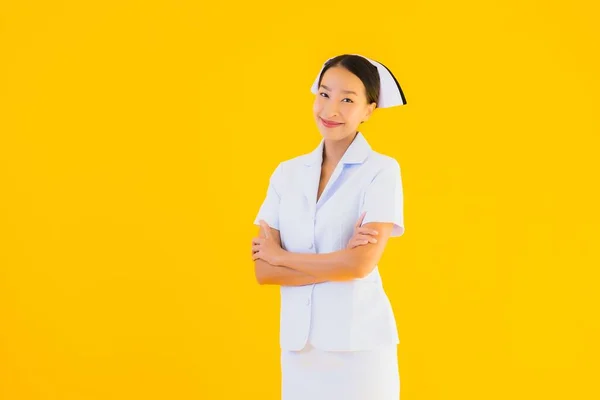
329,135
332,133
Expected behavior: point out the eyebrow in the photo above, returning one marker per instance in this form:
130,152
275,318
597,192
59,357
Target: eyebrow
343,91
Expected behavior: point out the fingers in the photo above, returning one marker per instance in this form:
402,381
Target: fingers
256,243
266,229
361,240
367,231
360,220
356,243
367,238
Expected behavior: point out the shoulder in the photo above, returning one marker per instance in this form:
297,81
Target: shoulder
294,163
287,169
380,162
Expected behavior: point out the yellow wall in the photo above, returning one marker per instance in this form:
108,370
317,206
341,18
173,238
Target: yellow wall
136,140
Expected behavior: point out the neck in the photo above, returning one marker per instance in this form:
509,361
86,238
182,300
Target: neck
333,150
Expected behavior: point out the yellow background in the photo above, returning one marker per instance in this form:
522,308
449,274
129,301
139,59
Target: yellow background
136,141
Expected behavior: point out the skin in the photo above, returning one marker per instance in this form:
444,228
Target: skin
342,99
269,274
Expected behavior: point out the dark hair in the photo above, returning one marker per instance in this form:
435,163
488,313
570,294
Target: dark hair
362,68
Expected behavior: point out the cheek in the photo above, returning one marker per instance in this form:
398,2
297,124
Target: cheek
317,107
352,115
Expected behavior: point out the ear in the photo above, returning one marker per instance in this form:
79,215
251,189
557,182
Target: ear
370,108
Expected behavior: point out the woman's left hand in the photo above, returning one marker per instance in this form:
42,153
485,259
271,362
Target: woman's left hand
266,247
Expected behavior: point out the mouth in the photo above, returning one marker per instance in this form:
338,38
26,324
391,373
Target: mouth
330,124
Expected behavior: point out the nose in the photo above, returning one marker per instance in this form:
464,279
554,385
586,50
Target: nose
331,109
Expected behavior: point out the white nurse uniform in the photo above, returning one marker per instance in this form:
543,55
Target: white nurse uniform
338,339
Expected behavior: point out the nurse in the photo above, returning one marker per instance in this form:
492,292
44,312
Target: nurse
324,224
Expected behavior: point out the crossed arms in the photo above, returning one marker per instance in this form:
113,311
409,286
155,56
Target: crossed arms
275,266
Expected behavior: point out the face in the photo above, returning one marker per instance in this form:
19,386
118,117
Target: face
340,104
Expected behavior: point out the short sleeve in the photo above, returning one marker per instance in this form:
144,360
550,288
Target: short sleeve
384,199
269,210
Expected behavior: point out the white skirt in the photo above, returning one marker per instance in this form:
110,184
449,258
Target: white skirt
313,374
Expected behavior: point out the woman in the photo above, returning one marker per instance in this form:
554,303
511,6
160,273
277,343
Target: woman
324,224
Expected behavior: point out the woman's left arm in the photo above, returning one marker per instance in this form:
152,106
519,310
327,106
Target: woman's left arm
342,265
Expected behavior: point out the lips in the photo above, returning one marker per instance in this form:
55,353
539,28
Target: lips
330,124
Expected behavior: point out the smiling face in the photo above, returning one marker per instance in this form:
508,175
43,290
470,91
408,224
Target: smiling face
341,104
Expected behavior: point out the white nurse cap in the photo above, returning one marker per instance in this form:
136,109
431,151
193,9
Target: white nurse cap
390,92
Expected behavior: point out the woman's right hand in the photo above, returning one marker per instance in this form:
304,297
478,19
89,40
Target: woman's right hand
362,236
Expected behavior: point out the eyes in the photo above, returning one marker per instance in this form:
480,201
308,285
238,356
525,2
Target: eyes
323,94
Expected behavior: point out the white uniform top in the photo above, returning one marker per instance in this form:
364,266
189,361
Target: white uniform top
351,315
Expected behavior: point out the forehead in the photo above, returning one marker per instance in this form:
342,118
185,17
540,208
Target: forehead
339,78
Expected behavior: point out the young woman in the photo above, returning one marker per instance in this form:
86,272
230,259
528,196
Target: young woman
324,225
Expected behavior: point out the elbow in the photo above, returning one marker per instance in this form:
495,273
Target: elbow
363,270
362,267
262,278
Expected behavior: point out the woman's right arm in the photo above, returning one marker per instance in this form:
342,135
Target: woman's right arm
267,274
